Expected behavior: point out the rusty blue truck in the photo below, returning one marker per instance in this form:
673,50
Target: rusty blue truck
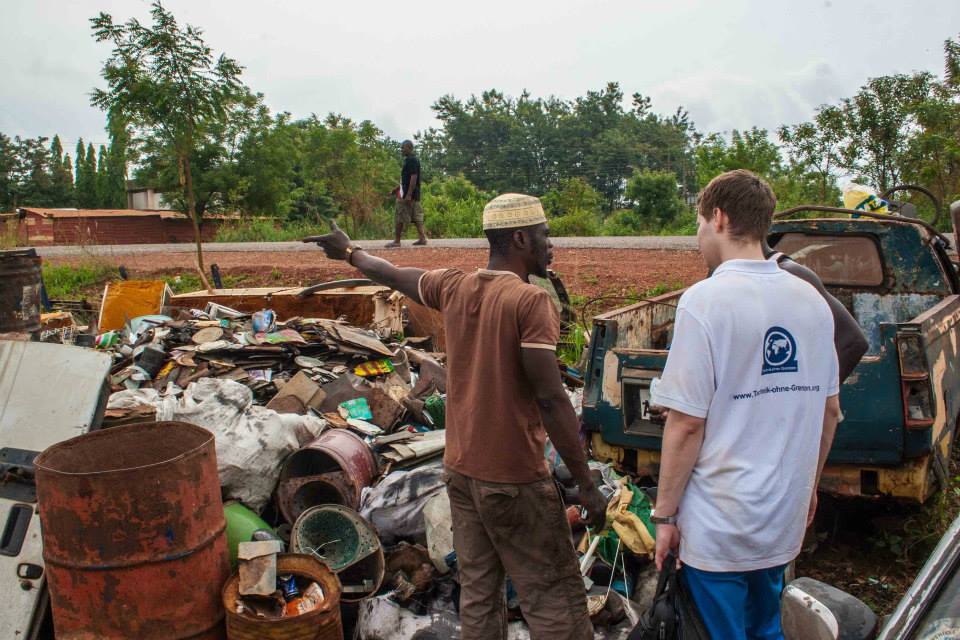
900,405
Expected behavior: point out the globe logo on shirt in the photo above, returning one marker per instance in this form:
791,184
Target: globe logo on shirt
779,351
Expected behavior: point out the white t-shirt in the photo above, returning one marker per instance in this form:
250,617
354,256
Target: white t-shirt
752,353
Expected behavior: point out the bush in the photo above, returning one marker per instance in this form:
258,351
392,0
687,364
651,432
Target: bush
453,208
577,223
656,198
71,281
573,194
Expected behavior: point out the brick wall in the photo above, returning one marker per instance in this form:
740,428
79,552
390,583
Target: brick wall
178,230
112,230
37,230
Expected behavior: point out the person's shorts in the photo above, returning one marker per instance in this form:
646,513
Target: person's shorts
409,211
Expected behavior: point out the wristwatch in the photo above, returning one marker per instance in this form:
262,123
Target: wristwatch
350,251
655,519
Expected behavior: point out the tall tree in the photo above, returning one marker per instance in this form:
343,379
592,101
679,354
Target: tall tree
33,184
164,81
79,163
87,179
61,176
102,182
933,154
116,178
814,147
875,127
8,167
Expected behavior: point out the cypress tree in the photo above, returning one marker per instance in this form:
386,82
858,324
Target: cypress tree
78,171
104,201
61,179
87,179
117,163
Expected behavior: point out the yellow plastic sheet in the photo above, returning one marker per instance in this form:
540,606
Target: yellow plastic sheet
129,299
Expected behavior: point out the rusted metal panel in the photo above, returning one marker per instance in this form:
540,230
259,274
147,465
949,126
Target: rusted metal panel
360,306
48,392
134,533
424,322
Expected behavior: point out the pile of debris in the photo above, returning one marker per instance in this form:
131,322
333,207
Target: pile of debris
328,438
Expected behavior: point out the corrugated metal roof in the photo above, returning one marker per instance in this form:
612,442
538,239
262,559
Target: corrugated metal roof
163,214
99,213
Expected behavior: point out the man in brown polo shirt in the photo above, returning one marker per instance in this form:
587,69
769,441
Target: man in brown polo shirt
504,396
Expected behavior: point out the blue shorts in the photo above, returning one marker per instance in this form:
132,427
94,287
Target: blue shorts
737,605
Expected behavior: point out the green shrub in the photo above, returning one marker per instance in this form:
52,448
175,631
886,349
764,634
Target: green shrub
72,281
453,208
583,223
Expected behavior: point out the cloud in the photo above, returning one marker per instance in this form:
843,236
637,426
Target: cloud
721,101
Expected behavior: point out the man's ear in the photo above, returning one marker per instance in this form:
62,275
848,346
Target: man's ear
721,221
520,239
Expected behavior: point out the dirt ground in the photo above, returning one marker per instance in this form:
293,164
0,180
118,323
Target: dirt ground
585,272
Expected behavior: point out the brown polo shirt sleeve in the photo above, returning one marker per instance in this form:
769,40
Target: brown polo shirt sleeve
435,287
539,321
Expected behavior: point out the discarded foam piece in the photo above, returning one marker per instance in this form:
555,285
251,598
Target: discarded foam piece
258,567
438,523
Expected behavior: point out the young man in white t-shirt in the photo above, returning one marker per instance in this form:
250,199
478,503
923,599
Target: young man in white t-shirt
751,383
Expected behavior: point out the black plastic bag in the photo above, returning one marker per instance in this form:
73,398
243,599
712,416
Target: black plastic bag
673,615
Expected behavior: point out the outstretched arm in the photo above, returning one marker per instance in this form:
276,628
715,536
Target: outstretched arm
848,338
403,279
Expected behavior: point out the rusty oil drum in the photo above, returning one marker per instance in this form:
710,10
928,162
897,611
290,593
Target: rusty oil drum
134,534
334,468
323,623
19,291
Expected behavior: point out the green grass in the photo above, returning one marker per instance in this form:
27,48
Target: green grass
266,230
571,351
74,281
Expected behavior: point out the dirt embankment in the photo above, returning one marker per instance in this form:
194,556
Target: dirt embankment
586,272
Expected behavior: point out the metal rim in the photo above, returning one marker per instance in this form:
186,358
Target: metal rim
41,459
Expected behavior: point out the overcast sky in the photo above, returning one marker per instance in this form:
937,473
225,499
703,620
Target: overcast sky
731,63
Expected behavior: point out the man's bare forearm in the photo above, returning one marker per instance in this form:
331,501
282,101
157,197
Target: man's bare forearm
403,279
408,194
831,418
560,421
682,439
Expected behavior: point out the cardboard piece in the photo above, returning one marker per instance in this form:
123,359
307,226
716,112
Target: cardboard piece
303,389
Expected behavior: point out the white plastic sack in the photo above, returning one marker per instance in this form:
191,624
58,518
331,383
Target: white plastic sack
395,505
252,441
379,618
133,398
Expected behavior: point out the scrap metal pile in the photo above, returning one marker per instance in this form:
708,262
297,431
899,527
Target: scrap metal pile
329,437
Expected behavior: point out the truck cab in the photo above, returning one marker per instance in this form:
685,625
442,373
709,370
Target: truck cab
900,405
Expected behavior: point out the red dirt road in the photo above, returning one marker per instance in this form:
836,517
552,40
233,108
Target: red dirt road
586,272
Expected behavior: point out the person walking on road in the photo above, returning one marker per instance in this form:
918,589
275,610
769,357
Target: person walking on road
408,199
504,396
751,383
